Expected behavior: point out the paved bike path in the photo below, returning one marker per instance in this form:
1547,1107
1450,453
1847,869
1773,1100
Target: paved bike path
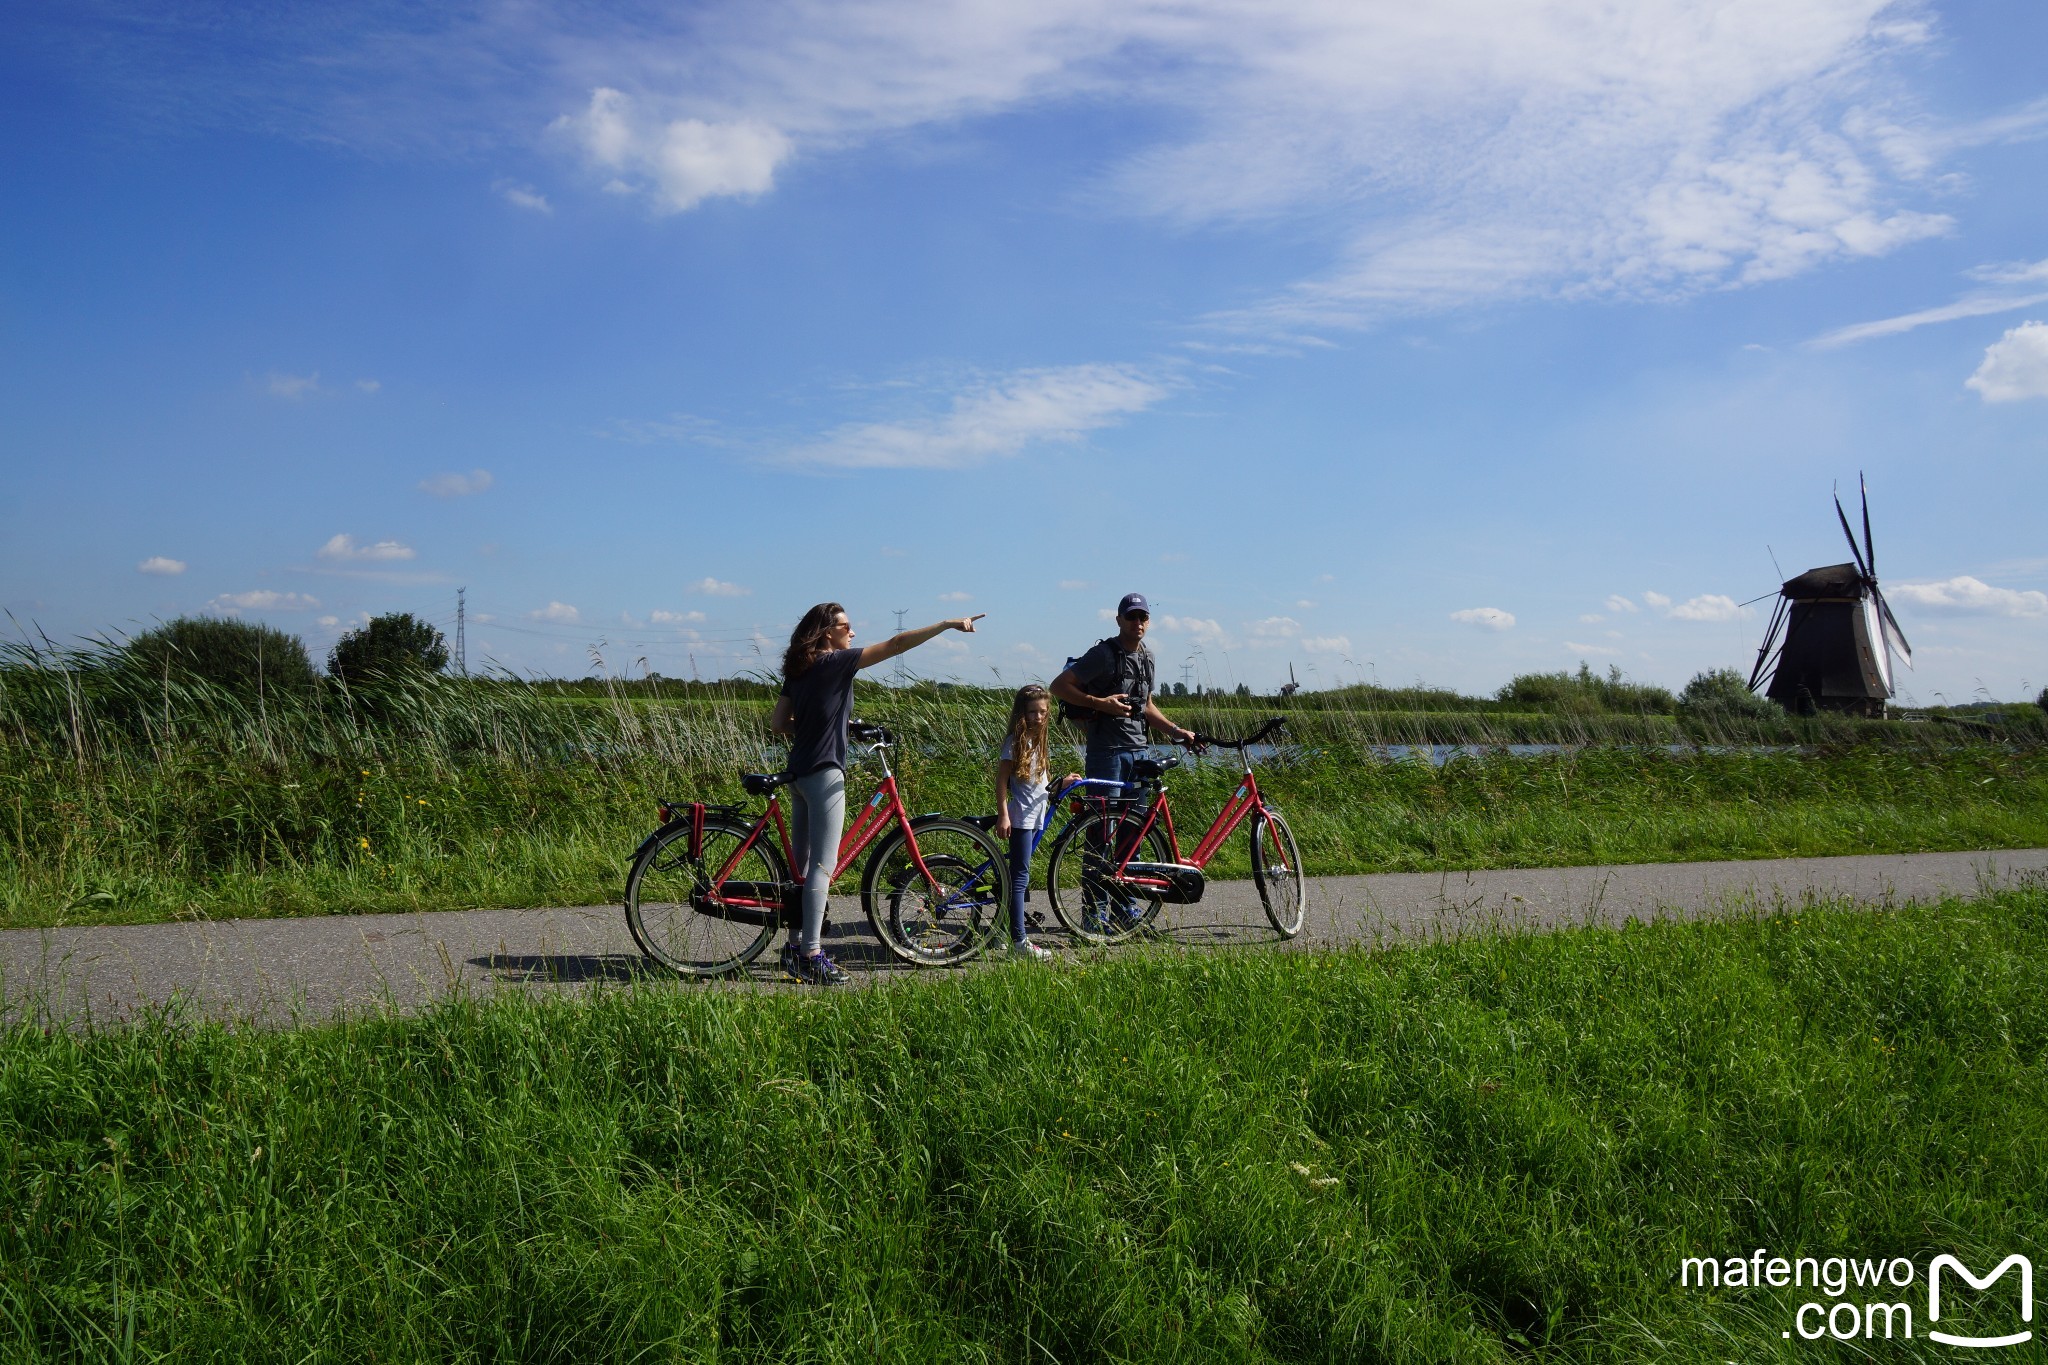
281,971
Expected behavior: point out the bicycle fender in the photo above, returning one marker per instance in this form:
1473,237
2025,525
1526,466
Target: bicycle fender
648,842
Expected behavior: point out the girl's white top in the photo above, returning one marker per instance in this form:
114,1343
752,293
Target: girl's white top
1027,799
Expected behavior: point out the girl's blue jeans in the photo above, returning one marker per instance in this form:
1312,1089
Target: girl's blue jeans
1020,880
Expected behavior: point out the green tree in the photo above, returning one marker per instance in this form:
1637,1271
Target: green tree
2042,700
389,646
241,656
1723,692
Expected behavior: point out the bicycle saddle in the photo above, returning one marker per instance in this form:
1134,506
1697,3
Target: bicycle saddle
1149,769
760,784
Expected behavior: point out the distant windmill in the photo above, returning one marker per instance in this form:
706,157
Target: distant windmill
1834,635
1290,687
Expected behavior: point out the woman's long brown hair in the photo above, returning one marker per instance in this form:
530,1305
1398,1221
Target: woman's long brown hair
807,643
1028,747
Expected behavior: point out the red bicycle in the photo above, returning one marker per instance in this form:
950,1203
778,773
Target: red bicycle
709,889
1118,860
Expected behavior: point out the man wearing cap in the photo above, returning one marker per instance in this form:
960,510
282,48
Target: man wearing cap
1113,680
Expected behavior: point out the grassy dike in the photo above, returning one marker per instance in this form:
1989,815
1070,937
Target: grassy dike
1482,1150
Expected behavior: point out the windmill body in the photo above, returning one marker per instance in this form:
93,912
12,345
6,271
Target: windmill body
1833,641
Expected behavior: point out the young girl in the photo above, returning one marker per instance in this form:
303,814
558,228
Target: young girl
813,710
1020,802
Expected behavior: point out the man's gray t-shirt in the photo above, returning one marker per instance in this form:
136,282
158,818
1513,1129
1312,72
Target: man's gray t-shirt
821,698
1104,671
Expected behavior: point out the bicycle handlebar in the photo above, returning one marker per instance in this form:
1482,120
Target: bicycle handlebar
1259,736
869,734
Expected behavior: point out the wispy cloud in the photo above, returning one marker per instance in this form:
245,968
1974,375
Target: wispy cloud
292,387
458,485
1708,607
1489,618
1616,602
2015,366
993,420
1326,644
1973,306
956,596
523,196
561,613
161,564
712,587
1966,594
675,618
263,599
1457,152
343,548
1574,647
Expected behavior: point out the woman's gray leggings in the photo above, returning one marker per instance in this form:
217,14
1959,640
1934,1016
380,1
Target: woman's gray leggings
817,815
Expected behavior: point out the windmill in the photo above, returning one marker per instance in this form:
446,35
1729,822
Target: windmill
1833,635
1290,687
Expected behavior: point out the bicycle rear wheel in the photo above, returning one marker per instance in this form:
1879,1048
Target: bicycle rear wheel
680,922
1090,904
945,913
1276,871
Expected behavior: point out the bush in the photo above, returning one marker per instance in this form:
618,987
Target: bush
390,645
1723,693
1585,692
2042,700
239,656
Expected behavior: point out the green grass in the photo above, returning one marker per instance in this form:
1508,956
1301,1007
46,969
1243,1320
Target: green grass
1483,1150
126,799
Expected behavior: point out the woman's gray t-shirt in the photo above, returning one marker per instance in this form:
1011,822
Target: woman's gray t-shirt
1026,801
821,698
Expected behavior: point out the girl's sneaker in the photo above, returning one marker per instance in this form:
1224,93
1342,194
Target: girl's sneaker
1027,951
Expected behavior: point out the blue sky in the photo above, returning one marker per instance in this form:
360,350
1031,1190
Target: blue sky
1386,341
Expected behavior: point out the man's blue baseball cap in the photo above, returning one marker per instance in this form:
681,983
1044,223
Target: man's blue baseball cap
1133,601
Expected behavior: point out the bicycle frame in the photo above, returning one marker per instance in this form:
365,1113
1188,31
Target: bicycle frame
1159,809
883,807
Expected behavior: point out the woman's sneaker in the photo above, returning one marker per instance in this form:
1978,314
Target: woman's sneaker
813,969
1026,951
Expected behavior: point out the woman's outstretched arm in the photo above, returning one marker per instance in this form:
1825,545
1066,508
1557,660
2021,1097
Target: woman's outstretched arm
871,655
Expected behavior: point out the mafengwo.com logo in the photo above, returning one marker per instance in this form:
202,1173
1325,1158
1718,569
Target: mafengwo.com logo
1864,1298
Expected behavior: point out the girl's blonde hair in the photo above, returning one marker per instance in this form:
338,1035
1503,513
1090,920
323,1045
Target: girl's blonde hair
1028,746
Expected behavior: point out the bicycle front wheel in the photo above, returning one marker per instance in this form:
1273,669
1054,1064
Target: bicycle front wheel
1276,871
1090,902
690,926
944,912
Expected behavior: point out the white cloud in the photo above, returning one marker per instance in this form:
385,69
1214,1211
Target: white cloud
1966,594
680,162
1708,607
263,599
1616,602
1591,618
712,587
675,618
524,196
1974,307
161,564
1491,618
1326,644
343,548
458,485
2013,272
1201,628
1574,647
1655,599
369,385
328,621
2015,366
993,420
956,597
1304,604
1276,628
292,387
560,612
